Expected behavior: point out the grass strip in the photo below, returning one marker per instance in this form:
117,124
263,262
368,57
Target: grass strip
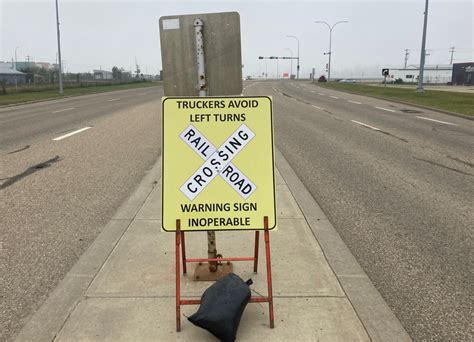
69,91
457,102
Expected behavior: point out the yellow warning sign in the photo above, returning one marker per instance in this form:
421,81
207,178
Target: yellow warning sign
217,163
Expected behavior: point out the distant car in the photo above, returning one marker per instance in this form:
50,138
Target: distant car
389,81
322,79
348,80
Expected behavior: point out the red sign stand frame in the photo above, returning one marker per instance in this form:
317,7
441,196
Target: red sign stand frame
181,249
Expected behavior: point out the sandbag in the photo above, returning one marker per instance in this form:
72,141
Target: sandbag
222,305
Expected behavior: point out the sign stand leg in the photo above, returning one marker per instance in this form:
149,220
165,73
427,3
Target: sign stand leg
255,255
178,277
180,247
269,272
183,252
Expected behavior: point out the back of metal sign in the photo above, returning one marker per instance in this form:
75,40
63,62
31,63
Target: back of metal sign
221,48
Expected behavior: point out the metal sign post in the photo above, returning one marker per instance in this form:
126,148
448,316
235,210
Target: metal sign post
385,73
201,69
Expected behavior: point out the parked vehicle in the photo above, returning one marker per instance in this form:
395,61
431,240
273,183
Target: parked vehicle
389,81
322,79
348,80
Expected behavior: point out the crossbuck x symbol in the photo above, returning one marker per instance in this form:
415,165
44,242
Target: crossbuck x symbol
217,161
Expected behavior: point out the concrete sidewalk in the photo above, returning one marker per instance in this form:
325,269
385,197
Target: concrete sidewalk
122,288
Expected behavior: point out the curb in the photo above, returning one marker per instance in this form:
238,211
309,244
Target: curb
459,115
48,320
378,319
69,96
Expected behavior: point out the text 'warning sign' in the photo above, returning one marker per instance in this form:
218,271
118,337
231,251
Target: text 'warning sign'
217,167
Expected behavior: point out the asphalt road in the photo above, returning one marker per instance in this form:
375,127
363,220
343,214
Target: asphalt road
56,195
397,183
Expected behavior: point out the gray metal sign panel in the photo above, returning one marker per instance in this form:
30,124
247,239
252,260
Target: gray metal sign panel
222,52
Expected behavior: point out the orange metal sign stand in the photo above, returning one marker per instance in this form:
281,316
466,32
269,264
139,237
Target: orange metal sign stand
181,248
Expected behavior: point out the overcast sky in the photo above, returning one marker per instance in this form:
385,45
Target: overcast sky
108,33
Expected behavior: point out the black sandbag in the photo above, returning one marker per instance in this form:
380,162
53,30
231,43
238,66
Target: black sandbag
222,305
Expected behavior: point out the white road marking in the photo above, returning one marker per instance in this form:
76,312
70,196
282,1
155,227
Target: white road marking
62,110
354,102
118,98
72,133
334,97
439,121
317,107
312,91
142,94
388,110
322,94
365,125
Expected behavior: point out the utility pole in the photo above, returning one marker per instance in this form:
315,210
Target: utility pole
420,88
407,53
452,54
61,91
28,58
277,70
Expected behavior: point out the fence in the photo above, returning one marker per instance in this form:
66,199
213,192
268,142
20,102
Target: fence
34,87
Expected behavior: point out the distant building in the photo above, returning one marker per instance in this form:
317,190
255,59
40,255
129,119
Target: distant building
44,65
22,65
436,74
463,73
103,75
9,75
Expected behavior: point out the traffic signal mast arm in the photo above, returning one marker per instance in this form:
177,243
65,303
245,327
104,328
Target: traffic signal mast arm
275,57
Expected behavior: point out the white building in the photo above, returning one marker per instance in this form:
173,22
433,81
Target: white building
431,74
103,75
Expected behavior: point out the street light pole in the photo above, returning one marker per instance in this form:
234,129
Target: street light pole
291,65
298,66
330,42
420,88
16,60
59,52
